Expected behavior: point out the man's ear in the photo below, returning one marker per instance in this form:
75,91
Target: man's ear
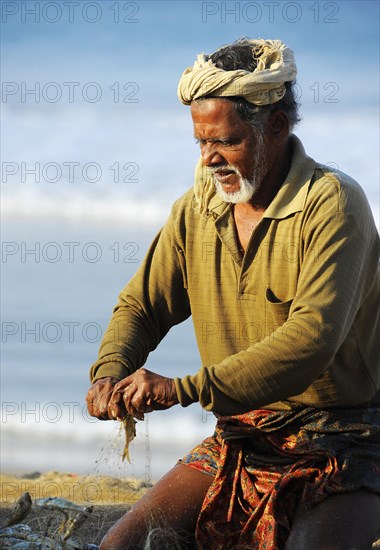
278,126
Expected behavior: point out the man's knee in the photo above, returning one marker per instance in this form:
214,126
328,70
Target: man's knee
105,545
111,543
300,539
346,521
170,509
156,538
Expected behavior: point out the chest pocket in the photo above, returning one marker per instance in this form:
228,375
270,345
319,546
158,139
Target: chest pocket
276,311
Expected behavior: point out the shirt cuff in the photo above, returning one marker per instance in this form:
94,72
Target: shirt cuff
117,370
187,390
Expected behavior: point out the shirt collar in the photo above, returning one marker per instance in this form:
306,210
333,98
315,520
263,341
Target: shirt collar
291,196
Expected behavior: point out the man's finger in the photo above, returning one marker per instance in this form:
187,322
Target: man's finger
117,401
117,398
139,400
130,402
117,411
128,394
98,396
122,384
100,407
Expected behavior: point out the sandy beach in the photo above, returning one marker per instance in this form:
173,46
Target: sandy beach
111,497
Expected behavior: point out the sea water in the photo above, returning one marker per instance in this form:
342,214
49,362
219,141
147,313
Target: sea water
60,282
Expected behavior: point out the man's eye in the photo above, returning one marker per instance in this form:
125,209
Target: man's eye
230,142
223,143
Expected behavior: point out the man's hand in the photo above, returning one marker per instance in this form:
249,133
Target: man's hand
98,400
142,392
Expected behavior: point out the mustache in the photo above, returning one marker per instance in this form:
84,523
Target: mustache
223,168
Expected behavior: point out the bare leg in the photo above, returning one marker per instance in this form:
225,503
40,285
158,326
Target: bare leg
348,521
173,502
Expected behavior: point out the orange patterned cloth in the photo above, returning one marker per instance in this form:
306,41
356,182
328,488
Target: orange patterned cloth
268,463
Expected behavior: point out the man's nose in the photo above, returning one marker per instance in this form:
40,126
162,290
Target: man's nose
210,155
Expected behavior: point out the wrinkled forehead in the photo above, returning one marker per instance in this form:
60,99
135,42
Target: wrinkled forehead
217,117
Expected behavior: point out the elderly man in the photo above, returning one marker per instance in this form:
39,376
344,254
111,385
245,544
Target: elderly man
276,258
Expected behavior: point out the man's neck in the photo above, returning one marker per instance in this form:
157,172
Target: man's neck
270,185
248,215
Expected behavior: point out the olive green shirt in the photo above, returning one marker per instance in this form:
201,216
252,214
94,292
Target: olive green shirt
295,320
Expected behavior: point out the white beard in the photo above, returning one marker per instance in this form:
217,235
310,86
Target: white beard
247,187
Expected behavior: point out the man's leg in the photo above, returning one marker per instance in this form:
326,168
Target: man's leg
348,521
174,502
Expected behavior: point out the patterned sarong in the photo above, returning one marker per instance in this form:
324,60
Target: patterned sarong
269,463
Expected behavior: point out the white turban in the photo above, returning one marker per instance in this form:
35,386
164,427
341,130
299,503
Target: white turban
263,86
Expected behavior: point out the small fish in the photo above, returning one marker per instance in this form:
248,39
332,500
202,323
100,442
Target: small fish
45,542
129,427
58,504
15,544
19,536
74,523
21,510
30,541
74,544
15,530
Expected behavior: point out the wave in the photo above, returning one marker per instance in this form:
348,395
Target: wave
133,177
70,422
114,210
83,445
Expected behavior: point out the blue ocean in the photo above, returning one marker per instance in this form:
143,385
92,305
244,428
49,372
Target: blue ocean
56,307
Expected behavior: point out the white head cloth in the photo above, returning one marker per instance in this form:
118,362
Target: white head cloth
264,86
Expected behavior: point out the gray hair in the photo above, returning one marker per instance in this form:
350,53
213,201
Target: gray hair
239,56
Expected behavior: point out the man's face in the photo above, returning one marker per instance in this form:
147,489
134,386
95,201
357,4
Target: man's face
230,148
